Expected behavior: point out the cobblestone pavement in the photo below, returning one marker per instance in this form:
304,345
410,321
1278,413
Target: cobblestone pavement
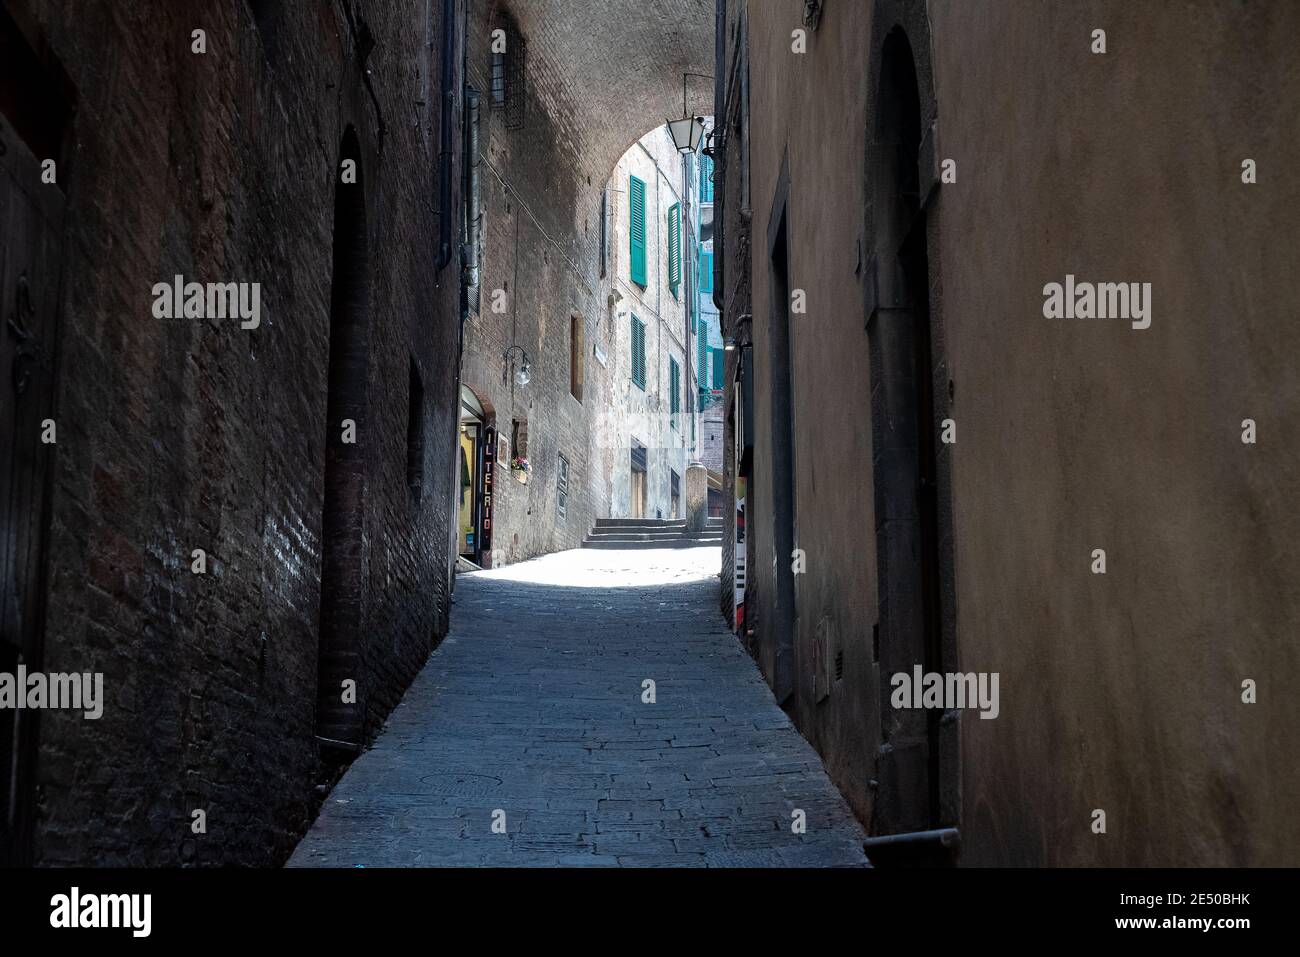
533,707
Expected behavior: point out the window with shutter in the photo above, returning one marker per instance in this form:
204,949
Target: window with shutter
706,179
706,272
636,229
701,354
638,352
562,486
674,391
719,368
674,248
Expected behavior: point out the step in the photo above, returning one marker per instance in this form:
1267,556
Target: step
678,543
642,522
638,529
605,536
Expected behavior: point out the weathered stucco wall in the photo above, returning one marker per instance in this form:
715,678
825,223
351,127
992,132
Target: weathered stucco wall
1121,691
1077,434
635,413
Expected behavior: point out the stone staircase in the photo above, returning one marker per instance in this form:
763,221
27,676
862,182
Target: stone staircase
651,533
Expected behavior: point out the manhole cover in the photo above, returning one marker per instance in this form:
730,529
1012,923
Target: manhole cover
461,783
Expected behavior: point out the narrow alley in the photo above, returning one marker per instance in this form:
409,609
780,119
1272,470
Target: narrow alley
533,706
853,434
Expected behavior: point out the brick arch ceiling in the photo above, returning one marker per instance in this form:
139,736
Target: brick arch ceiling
622,61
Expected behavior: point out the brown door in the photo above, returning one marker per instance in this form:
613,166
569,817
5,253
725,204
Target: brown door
638,493
31,216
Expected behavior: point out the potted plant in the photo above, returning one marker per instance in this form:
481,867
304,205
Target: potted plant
519,465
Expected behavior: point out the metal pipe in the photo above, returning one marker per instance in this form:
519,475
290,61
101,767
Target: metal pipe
719,156
472,224
444,139
892,848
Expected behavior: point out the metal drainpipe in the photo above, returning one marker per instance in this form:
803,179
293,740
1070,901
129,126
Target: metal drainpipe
444,139
472,188
688,294
939,846
719,156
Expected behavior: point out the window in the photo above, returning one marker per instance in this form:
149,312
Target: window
719,370
638,352
266,14
701,353
604,232
674,391
636,229
519,443
562,486
674,248
508,72
576,355
706,272
415,435
706,179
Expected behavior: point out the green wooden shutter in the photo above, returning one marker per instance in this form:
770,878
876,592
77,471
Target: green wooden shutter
719,368
674,390
638,352
706,179
636,230
674,248
706,272
701,354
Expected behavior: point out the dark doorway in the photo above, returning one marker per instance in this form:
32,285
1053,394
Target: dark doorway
636,505
470,458
780,376
415,431
33,114
903,444
339,716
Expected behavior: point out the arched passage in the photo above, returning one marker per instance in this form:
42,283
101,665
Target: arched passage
339,720
621,66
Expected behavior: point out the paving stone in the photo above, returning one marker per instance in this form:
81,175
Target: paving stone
533,706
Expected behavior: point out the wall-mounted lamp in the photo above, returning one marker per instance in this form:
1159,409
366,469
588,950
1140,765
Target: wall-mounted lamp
523,374
729,343
689,130
711,145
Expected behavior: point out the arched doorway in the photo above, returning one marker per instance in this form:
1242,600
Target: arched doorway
477,457
917,760
340,707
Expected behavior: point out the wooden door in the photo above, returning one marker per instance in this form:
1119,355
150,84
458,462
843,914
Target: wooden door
638,493
31,216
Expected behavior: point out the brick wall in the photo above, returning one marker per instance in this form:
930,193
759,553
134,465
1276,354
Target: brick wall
184,434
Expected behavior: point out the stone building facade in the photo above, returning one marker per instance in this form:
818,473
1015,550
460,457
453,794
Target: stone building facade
943,472
649,423
553,130
203,530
